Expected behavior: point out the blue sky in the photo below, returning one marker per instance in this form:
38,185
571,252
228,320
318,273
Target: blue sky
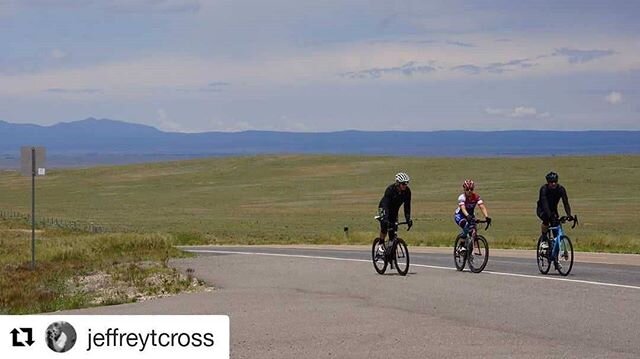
196,65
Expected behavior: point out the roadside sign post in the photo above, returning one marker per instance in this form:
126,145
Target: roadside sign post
32,163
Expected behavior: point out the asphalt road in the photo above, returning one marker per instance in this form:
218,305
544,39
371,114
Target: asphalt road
500,265
326,303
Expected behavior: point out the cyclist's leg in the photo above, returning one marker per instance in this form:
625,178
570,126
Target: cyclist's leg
554,222
544,226
461,222
393,218
383,225
383,235
383,230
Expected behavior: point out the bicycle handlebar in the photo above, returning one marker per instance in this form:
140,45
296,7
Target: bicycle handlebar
573,219
379,218
482,221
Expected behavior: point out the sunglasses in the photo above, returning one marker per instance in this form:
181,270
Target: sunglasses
404,183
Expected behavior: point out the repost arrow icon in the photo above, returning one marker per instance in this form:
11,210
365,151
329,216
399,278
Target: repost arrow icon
29,332
16,343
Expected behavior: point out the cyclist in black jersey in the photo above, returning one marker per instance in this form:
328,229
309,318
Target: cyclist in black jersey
395,195
550,195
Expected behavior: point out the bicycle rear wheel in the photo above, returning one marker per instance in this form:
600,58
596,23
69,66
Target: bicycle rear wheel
378,256
543,255
402,257
565,256
459,253
479,255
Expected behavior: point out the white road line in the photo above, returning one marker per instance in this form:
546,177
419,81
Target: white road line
415,265
276,255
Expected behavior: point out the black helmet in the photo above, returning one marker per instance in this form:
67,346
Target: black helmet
552,177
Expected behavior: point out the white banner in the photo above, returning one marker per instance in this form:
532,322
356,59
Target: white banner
114,336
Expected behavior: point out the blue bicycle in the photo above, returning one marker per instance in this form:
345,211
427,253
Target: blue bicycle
558,250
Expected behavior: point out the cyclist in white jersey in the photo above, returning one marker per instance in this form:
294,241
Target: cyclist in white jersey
467,202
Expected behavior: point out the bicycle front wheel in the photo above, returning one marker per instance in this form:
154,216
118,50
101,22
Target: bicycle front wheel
542,253
459,253
479,255
402,257
378,256
565,256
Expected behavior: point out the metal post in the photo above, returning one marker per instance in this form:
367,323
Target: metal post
33,208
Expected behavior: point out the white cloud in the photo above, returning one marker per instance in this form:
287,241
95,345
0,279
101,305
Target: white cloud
522,111
165,124
58,54
576,56
496,111
517,112
323,64
228,125
613,98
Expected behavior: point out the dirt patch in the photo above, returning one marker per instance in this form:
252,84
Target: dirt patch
134,283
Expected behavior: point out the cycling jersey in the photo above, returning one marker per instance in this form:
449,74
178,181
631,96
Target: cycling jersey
469,202
391,202
548,202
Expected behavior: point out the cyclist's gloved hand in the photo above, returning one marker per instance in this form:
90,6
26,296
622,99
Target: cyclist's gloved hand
488,219
409,223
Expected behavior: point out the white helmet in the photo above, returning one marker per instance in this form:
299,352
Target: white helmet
402,177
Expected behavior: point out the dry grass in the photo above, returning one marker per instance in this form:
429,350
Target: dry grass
309,199
79,270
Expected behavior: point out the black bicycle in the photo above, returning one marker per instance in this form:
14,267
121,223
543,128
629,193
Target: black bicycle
556,249
472,248
394,253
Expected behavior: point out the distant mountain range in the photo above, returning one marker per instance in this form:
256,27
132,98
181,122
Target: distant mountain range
113,139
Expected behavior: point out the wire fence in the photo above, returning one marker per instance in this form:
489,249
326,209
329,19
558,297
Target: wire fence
72,225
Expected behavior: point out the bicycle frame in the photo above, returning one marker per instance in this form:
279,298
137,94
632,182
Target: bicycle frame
389,250
390,253
474,250
471,228
472,232
558,247
556,241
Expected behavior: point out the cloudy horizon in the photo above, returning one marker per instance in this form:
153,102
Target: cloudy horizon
193,66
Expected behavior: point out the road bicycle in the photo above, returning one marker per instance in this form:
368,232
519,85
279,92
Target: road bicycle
558,250
471,248
393,253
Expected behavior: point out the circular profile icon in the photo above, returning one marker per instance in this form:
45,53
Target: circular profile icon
61,337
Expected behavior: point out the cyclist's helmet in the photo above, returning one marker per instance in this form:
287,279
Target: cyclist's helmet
402,177
468,185
551,177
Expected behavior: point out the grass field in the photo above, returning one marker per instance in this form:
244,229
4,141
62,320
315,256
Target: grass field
76,270
310,199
